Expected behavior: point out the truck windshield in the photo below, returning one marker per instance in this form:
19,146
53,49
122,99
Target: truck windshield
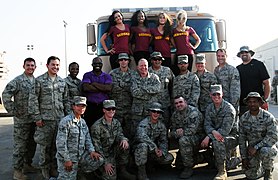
205,28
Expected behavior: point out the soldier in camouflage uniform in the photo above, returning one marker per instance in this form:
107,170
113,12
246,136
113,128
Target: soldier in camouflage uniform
206,79
228,77
120,93
74,144
18,97
145,87
186,83
274,85
151,141
221,129
187,128
110,142
73,83
166,78
258,134
53,104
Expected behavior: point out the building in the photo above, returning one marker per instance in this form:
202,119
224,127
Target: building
268,53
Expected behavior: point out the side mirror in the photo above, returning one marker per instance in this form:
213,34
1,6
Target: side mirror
221,33
91,38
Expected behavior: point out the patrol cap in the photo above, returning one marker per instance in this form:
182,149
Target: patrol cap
245,49
156,55
216,88
200,58
252,95
182,59
79,100
155,106
123,56
109,104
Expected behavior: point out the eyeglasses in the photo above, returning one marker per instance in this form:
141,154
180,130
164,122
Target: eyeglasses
109,109
216,94
154,111
243,52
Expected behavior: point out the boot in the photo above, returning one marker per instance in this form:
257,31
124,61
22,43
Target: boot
268,175
53,172
186,173
28,168
222,173
142,175
18,175
124,174
45,173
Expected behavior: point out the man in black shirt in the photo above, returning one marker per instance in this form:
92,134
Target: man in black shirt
253,77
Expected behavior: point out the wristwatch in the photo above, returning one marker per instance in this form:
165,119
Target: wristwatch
256,147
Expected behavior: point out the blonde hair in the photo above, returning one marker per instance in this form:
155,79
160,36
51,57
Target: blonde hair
180,14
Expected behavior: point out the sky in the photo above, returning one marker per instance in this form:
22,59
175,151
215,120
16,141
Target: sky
40,23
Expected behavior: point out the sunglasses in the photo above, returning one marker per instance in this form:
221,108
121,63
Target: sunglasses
109,109
154,111
216,94
122,59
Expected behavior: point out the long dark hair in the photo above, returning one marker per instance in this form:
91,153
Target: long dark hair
168,25
111,20
134,19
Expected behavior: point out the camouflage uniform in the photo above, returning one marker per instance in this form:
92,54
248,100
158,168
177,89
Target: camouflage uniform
121,94
274,85
228,77
74,144
260,132
73,86
148,138
222,120
187,86
106,139
166,78
144,91
206,80
22,90
191,121
53,105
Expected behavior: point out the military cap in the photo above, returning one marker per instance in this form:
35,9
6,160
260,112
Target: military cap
245,49
155,106
78,100
182,59
200,58
123,56
109,104
216,88
156,55
253,95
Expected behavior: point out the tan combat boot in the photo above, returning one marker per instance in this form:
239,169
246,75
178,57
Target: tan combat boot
18,175
222,173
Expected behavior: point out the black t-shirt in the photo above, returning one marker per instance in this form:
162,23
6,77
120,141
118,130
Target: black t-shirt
252,76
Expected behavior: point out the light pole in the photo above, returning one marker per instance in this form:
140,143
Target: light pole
66,64
30,49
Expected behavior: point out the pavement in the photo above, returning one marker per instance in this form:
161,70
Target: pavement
201,172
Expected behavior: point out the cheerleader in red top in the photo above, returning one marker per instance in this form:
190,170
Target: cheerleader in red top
120,34
181,35
162,38
140,37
